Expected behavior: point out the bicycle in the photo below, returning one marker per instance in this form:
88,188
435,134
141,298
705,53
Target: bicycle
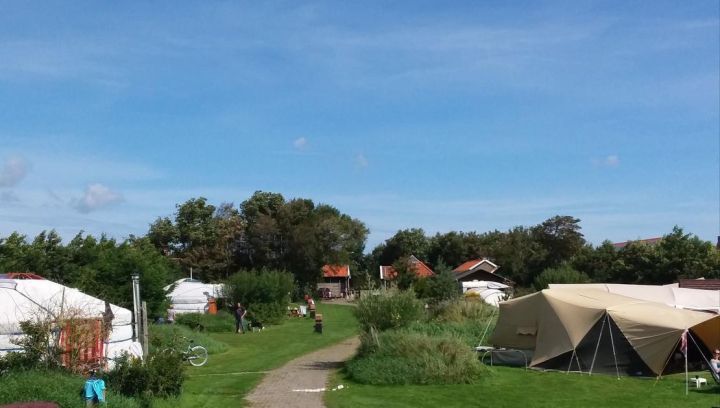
195,355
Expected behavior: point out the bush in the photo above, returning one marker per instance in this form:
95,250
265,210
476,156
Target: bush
405,357
38,348
561,274
165,336
161,375
462,310
388,310
265,293
438,288
51,385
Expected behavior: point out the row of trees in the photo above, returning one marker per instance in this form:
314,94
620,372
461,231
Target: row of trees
268,232
98,266
557,246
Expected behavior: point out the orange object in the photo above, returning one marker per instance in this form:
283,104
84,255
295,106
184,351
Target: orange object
212,306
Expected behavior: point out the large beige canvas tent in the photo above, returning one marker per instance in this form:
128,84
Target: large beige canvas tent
671,295
596,331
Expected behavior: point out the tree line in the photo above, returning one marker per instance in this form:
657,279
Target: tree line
269,232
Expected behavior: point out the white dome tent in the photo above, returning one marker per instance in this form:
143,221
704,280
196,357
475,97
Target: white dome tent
36,299
191,295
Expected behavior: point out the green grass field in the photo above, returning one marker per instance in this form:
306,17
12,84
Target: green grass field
515,387
228,377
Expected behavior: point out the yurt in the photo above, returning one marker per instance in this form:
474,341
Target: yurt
191,295
591,330
44,300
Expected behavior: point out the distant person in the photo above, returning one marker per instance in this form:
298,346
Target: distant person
240,313
94,390
171,316
715,361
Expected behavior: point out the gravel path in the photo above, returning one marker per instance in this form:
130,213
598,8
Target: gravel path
301,382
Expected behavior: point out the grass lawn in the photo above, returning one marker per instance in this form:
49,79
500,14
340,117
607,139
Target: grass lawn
515,387
228,377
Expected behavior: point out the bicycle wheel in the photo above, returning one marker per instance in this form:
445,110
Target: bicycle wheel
197,356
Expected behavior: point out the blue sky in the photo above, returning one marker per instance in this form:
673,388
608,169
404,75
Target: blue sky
446,116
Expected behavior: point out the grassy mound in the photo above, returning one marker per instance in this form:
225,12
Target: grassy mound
407,357
55,386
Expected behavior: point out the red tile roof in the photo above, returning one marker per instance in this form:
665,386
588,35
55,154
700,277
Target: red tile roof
706,284
649,241
387,272
336,271
467,265
470,265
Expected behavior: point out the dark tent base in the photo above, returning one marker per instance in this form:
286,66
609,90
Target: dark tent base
629,362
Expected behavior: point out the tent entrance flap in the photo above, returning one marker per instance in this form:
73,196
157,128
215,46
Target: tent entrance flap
628,361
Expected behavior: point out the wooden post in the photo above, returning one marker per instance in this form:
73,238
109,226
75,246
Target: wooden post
145,333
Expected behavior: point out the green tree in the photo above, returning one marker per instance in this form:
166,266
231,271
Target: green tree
562,274
561,238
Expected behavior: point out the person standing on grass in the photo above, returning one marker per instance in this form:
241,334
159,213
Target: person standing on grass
240,313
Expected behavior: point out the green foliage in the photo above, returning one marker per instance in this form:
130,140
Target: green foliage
406,273
164,336
50,385
403,244
461,310
161,375
561,274
468,331
440,287
388,310
405,357
264,293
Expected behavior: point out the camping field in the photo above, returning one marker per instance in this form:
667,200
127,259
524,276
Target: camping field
515,387
231,375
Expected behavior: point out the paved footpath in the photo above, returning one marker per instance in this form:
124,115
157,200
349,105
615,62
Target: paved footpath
301,382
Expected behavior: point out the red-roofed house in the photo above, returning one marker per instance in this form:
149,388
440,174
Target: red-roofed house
649,241
336,279
479,270
388,273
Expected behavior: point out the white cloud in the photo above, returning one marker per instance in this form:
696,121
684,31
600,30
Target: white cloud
14,170
361,161
612,160
96,197
300,143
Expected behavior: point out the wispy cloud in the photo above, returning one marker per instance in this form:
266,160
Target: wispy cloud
97,196
300,143
612,160
14,170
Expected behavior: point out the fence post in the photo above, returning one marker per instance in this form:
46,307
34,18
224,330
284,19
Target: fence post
144,330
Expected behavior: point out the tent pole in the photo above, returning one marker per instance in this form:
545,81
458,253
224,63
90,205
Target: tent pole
686,372
571,360
597,346
612,343
487,326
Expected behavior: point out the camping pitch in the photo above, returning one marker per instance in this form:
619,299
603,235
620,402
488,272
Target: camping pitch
590,330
